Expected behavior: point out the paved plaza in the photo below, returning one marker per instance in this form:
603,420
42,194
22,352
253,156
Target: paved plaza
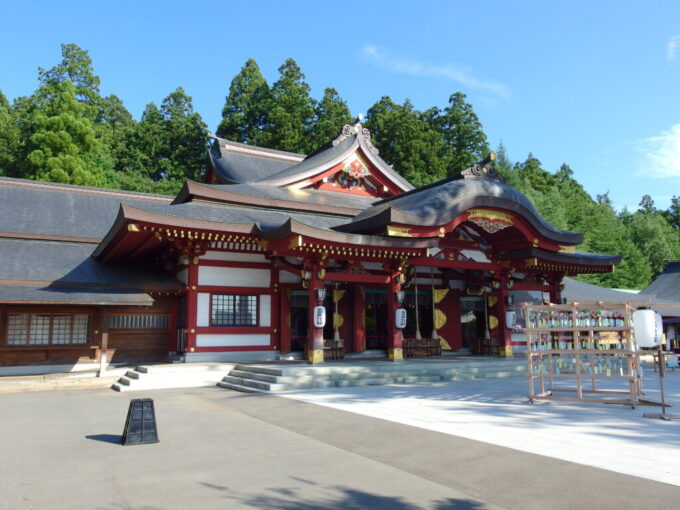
221,449
613,437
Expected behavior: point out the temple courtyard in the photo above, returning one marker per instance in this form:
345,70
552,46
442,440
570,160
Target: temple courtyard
460,445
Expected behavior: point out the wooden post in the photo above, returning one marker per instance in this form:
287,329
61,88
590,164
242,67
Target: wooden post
314,334
395,337
505,335
192,305
358,319
103,354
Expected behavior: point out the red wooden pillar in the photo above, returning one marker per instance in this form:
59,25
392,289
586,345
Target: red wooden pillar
505,335
284,321
395,338
358,318
555,288
192,305
275,307
314,334
172,325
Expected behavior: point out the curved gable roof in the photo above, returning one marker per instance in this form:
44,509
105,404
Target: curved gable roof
439,203
353,137
237,163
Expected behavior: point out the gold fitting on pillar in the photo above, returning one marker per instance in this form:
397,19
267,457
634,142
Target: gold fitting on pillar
395,354
506,351
315,356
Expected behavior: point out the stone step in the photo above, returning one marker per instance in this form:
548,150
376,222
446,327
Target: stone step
238,387
184,367
252,383
281,379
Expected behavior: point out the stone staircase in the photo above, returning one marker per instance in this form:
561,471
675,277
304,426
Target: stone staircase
175,375
277,378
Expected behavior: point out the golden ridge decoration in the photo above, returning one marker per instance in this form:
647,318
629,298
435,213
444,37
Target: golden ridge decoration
444,344
490,221
439,319
398,231
338,321
493,322
439,295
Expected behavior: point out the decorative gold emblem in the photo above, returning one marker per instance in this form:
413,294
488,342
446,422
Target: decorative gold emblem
398,231
490,221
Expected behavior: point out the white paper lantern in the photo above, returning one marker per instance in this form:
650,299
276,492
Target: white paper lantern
647,327
400,318
319,316
510,319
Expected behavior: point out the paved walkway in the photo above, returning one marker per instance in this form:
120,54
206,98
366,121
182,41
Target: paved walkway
611,437
221,449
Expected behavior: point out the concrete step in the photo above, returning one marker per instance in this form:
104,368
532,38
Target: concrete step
171,376
277,378
184,368
239,387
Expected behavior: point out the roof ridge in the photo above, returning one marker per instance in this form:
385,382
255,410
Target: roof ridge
76,188
254,150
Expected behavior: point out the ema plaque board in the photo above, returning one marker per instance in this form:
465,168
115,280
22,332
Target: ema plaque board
140,425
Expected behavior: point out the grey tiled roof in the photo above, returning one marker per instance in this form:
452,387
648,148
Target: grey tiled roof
225,213
321,197
667,284
68,295
237,167
73,211
575,290
440,202
333,154
70,264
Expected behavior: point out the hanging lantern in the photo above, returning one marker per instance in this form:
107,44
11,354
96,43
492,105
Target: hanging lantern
647,327
510,319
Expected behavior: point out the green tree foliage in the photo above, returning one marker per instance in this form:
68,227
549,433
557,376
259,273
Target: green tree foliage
170,142
672,215
654,237
330,115
290,111
9,137
407,141
76,67
244,114
63,146
462,133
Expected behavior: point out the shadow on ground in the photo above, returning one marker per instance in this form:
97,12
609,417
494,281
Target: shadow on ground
293,498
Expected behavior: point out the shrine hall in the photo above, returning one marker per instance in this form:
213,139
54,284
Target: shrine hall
319,256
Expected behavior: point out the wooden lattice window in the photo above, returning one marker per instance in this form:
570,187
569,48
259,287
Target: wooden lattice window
233,310
139,321
47,329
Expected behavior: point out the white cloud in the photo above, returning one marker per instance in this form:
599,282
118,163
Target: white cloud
672,47
385,60
660,155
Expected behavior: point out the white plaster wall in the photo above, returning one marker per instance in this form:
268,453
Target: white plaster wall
427,281
233,256
457,284
265,310
203,310
183,276
288,277
233,276
203,340
475,255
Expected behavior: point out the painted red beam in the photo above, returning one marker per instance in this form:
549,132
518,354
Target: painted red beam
454,264
356,278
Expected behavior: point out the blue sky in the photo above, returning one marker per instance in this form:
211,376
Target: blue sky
592,84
